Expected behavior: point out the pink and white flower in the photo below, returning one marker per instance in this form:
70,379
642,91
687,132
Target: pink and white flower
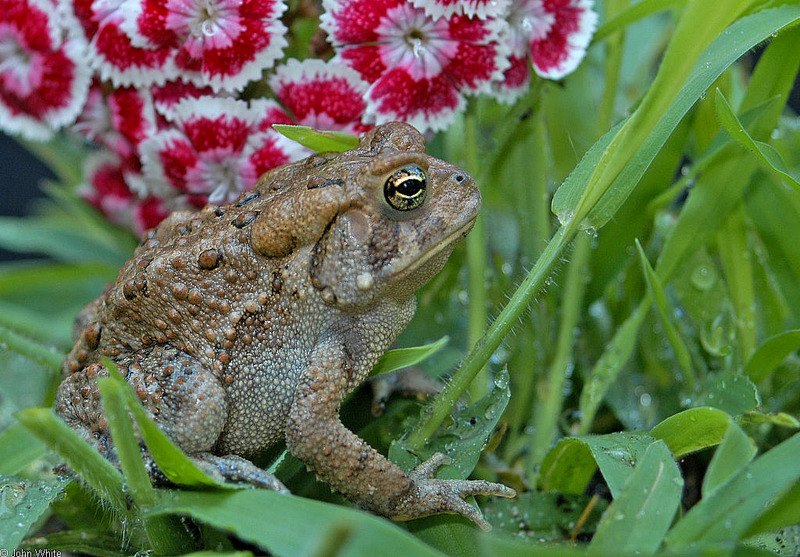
218,148
43,79
419,68
220,43
107,188
322,95
553,34
120,120
111,53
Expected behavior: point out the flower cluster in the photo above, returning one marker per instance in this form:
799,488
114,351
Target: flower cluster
180,96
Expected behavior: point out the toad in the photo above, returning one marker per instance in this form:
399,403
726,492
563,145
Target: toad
246,324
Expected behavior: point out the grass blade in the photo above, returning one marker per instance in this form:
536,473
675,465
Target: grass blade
81,457
640,516
764,151
733,454
729,512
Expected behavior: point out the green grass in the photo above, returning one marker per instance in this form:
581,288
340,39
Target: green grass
630,352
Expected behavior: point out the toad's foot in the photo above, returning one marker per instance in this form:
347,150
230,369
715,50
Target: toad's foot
234,468
432,496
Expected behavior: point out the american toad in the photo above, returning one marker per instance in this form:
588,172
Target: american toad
248,323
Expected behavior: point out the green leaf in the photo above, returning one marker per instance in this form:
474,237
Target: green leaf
770,354
764,151
164,533
19,449
42,355
682,356
720,188
734,452
81,457
735,254
22,502
733,393
692,430
609,365
63,241
30,324
642,512
781,419
318,140
728,512
405,357
573,461
508,546
465,438
288,525
137,480
82,542
782,513
606,176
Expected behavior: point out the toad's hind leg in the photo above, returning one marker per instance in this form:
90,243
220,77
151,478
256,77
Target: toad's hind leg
185,399
181,396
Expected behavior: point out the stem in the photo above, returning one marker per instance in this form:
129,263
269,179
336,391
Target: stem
476,262
548,410
613,68
495,334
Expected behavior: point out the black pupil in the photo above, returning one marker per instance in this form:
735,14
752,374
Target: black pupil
410,186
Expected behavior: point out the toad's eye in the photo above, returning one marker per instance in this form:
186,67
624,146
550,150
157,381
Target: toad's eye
405,189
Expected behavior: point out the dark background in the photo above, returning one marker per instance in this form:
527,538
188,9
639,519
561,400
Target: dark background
20,176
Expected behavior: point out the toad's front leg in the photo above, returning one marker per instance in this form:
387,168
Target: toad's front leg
315,435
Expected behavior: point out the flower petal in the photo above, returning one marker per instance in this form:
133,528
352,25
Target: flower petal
321,95
354,21
108,188
470,8
43,82
429,104
481,57
515,82
564,46
111,52
166,97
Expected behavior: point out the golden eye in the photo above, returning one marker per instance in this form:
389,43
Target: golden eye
405,189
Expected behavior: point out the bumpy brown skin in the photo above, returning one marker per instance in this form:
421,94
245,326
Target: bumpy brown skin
249,323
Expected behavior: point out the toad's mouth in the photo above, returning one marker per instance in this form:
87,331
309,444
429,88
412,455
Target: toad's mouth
444,244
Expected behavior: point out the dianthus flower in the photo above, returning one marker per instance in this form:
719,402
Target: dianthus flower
223,44
321,95
43,78
106,187
418,67
553,34
118,120
217,148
